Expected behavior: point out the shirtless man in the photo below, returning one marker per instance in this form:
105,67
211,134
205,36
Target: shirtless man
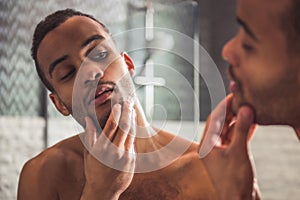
74,53
264,60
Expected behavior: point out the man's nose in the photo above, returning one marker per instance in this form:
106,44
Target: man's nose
93,75
229,53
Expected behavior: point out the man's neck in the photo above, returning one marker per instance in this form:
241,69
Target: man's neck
146,137
154,142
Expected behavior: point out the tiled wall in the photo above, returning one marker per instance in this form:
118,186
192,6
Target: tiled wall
20,139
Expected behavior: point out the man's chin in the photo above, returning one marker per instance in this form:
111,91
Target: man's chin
102,121
102,113
100,118
237,104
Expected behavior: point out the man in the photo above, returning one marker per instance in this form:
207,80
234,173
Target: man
264,61
265,64
77,61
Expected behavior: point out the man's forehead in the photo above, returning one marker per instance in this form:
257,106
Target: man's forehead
84,21
68,36
270,6
77,27
262,16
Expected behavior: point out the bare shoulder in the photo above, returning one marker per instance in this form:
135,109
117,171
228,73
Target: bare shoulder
189,148
189,161
187,151
192,171
41,175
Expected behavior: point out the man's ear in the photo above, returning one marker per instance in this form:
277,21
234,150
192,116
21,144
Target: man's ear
129,63
60,106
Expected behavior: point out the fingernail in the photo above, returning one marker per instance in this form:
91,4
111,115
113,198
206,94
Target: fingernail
117,106
247,113
116,110
86,121
129,104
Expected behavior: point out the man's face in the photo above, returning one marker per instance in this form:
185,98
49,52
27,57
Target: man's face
80,61
263,74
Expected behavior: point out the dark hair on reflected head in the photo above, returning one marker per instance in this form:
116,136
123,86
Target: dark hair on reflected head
45,26
290,23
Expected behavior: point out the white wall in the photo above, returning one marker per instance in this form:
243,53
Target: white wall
20,139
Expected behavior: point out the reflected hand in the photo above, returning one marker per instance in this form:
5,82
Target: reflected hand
224,151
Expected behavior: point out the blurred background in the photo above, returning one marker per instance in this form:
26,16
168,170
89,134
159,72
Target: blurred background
29,123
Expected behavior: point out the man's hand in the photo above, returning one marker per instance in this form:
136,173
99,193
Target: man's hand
224,151
109,162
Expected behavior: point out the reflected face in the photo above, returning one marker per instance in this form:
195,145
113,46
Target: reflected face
80,61
262,73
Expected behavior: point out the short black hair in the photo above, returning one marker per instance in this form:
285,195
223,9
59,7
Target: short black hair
290,24
45,26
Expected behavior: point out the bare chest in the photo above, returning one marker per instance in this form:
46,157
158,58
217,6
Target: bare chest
174,182
174,185
152,187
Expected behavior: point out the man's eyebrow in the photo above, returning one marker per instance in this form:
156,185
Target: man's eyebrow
246,28
92,38
55,63
61,59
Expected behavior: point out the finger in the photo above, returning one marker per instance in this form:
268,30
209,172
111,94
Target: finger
256,194
227,134
229,121
222,114
124,124
243,125
90,132
251,132
111,125
129,143
226,138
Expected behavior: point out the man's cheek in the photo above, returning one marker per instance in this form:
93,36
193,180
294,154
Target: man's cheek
79,111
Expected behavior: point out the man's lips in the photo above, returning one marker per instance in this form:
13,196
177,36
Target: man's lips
233,85
102,94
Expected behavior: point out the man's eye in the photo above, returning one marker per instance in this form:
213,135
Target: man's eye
247,47
68,75
98,56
